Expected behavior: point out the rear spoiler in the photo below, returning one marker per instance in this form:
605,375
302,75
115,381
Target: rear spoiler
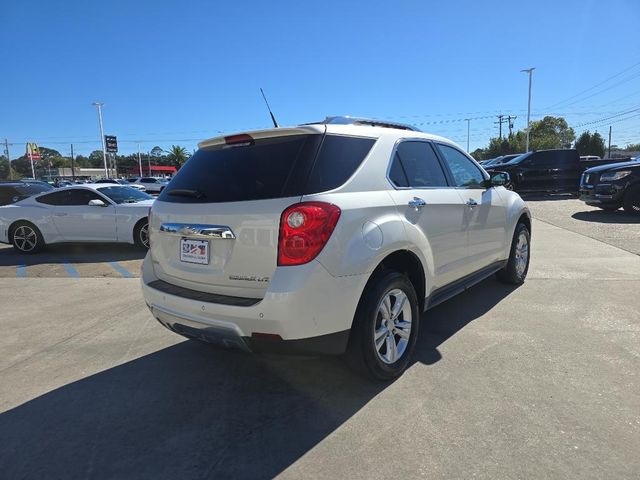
258,134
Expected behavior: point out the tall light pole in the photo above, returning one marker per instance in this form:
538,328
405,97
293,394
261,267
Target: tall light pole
104,148
139,161
530,72
468,120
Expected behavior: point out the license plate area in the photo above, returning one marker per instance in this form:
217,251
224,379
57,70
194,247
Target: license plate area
194,251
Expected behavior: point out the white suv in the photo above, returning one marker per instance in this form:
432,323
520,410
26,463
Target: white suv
152,184
330,237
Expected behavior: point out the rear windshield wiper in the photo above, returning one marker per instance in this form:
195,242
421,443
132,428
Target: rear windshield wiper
185,192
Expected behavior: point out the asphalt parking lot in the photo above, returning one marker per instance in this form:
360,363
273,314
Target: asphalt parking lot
539,381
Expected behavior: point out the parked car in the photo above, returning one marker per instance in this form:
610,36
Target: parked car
31,181
87,213
327,238
12,192
152,184
120,181
545,171
610,187
62,183
589,158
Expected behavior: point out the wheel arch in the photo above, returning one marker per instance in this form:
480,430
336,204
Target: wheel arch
408,263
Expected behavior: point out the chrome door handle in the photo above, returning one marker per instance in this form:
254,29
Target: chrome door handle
472,203
417,203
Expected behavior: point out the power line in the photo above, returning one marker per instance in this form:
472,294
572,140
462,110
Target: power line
595,86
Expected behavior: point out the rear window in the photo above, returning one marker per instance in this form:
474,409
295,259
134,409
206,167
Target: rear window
274,167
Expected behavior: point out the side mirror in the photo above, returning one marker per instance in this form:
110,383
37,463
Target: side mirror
97,203
499,179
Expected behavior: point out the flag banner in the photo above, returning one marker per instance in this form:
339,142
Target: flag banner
33,152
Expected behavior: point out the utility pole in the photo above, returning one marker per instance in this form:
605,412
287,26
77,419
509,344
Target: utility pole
609,142
6,152
468,120
501,119
73,167
104,148
139,160
510,123
530,72
149,160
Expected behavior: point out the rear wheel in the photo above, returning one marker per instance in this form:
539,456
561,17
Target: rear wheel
631,202
518,264
26,238
385,327
141,233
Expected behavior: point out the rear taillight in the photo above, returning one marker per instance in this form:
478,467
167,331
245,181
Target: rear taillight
305,228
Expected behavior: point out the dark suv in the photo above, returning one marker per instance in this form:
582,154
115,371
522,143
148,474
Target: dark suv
612,186
545,171
12,192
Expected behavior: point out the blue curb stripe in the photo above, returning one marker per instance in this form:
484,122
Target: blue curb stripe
21,271
71,270
121,270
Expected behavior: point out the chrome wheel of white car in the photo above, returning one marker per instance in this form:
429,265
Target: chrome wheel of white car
141,234
522,253
27,238
393,326
515,271
385,328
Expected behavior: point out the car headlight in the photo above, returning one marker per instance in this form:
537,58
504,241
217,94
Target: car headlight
610,177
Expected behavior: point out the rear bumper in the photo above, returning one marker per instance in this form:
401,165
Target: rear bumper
305,310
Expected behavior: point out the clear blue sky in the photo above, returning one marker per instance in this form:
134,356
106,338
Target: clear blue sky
177,72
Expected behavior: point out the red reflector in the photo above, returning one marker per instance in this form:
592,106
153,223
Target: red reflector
266,336
305,228
240,139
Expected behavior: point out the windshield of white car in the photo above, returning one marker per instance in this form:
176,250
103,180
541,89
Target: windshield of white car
122,194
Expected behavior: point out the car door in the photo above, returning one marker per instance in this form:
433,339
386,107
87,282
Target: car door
431,206
485,213
76,220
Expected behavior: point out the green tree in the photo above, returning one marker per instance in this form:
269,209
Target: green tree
178,155
590,144
4,168
551,132
596,145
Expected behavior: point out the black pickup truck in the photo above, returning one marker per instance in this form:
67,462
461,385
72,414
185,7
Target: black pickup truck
546,171
612,186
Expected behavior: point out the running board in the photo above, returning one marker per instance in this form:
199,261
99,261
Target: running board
443,294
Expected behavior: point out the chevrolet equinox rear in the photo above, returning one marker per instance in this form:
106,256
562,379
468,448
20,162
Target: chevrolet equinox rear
330,237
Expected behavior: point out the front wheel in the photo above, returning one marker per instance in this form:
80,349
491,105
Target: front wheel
385,327
518,264
26,238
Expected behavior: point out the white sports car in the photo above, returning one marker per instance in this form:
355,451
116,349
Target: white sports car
82,213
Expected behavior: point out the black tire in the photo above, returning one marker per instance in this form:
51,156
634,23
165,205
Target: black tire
513,273
609,208
510,186
362,353
141,233
631,202
26,238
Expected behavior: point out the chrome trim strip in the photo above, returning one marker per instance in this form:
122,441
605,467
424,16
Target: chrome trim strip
197,230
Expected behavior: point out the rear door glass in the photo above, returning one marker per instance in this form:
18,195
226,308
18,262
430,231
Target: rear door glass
415,164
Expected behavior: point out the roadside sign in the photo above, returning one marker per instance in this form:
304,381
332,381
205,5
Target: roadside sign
33,152
111,142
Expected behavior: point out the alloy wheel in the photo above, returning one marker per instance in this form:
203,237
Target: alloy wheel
522,254
144,235
25,238
393,326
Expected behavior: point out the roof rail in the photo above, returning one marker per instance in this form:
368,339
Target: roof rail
346,120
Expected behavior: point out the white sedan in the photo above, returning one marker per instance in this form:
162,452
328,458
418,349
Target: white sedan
82,213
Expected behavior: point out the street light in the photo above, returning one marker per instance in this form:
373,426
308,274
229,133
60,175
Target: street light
104,148
530,72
